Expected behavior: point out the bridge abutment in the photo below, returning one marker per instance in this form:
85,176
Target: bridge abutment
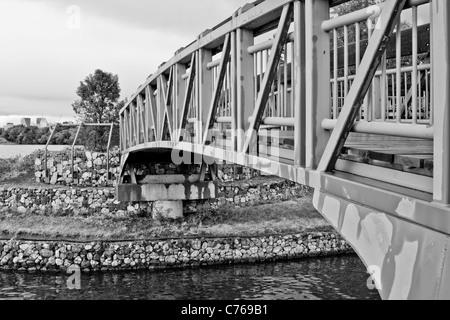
166,186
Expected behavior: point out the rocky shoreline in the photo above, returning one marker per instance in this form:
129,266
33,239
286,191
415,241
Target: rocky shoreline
104,256
76,201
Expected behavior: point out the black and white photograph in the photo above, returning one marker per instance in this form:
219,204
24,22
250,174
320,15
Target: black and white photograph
217,158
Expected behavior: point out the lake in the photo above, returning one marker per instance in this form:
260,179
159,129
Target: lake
13,150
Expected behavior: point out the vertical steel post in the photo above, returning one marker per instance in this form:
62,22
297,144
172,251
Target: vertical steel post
415,61
161,110
245,85
317,68
72,153
46,149
205,92
180,91
298,78
440,51
138,120
107,154
121,130
398,80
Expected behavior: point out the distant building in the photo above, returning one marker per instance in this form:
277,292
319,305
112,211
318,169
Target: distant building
26,122
41,123
9,126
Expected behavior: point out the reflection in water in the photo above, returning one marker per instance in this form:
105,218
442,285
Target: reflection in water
326,278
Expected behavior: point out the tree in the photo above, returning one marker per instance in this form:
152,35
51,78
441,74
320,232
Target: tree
99,103
23,135
100,94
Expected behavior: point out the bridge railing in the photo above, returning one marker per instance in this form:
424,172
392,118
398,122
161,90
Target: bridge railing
216,81
178,97
285,67
385,109
401,87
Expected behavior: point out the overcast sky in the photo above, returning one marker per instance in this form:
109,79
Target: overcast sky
49,46
46,50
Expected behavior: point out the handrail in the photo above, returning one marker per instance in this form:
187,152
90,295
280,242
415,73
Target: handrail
421,67
267,44
373,11
212,64
251,50
276,121
407,130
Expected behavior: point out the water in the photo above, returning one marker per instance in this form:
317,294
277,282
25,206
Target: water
13,150
331,278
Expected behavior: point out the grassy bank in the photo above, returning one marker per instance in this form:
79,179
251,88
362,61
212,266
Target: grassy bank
274,218
277,218
17,170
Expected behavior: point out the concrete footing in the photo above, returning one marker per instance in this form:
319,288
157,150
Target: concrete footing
167,209
167,192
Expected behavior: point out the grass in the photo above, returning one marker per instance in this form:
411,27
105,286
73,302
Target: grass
17,170
277,218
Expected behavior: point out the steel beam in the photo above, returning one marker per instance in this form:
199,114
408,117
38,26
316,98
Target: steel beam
218,88
275,55
180,90
161,103
141,120
169,102
166,92
205,91
133,123
127,131
150,104
138,119
188,96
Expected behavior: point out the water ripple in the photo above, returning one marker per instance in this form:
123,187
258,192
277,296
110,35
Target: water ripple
312,279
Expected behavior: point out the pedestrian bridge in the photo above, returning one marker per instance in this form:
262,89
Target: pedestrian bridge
354,104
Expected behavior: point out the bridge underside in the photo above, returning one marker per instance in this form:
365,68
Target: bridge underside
395,228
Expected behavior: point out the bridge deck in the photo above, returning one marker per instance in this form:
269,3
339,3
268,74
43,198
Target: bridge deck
404,154
398,153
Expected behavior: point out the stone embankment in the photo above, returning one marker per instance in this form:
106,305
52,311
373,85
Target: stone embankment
88,169
49,256
82,201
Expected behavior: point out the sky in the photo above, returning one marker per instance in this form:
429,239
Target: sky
49,46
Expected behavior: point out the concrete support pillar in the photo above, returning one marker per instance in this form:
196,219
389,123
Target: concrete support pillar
167,193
